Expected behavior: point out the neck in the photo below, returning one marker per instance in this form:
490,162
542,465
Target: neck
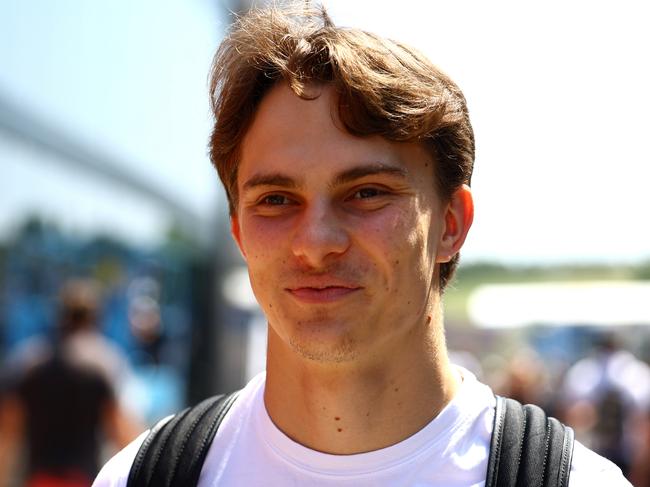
364,404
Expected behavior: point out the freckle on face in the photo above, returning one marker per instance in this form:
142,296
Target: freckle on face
377,239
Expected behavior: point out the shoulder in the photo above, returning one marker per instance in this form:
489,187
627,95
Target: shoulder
588,468
92,350
116,471
28,354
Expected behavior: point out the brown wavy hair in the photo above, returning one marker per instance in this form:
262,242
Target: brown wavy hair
384,88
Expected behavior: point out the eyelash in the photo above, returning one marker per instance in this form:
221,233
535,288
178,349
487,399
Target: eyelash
265,200
376,192
356,195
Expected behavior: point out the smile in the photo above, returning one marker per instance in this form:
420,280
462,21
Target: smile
322,295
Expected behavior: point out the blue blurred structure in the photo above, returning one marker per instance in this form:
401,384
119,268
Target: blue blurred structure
103,126
41,258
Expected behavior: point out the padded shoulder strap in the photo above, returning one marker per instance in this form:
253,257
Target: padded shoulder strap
528,449
174,451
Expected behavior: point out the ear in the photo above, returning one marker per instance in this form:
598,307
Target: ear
458,217
236,234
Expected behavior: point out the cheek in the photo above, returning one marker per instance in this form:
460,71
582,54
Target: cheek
259,238
400,244
263,255
386,229
264,285
405,233
413,249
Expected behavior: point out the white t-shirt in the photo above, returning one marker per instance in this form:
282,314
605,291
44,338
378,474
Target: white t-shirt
451,451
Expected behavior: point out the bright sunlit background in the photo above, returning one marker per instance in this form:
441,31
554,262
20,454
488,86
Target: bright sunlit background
559,101
104,121
557,91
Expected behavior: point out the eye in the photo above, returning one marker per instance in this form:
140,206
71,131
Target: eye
275,200
365,193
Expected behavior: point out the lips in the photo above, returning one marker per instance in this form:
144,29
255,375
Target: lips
322,294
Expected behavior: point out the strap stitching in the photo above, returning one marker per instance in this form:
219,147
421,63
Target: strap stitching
499,412
562,471
521,439
144,449
182,416
562,462
193,426
567,448
547,445
223,403
227,404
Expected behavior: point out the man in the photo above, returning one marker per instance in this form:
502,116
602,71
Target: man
347,158
61,395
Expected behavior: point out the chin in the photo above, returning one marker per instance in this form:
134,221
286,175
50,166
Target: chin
322,353
324,341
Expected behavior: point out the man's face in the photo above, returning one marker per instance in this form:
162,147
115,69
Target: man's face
340,233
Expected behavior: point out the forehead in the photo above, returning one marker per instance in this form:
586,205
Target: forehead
297,137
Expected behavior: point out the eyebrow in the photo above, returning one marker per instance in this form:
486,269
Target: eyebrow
271,179
373,169
352,174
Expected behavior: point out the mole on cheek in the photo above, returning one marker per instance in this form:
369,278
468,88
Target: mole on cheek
339,430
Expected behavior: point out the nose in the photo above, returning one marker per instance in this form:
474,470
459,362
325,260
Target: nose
320,235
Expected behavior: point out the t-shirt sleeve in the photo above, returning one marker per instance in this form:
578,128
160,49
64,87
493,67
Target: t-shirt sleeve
116,471
589,469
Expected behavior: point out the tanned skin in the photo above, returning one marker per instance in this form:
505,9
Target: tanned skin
343,237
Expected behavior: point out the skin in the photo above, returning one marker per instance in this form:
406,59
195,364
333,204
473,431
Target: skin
343,237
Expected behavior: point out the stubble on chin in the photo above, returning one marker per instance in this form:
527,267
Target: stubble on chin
325,353
315,342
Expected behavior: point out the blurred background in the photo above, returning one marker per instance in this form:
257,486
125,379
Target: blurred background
104,121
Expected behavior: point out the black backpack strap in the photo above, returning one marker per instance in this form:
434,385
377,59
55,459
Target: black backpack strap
173,452
528,448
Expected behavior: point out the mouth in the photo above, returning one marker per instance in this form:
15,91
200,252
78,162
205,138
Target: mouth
322,295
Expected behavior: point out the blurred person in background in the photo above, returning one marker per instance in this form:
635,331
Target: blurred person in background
157,389
640,464
525,378
605,398
60,398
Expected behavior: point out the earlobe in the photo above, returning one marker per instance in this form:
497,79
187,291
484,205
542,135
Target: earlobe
458,218
236,234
